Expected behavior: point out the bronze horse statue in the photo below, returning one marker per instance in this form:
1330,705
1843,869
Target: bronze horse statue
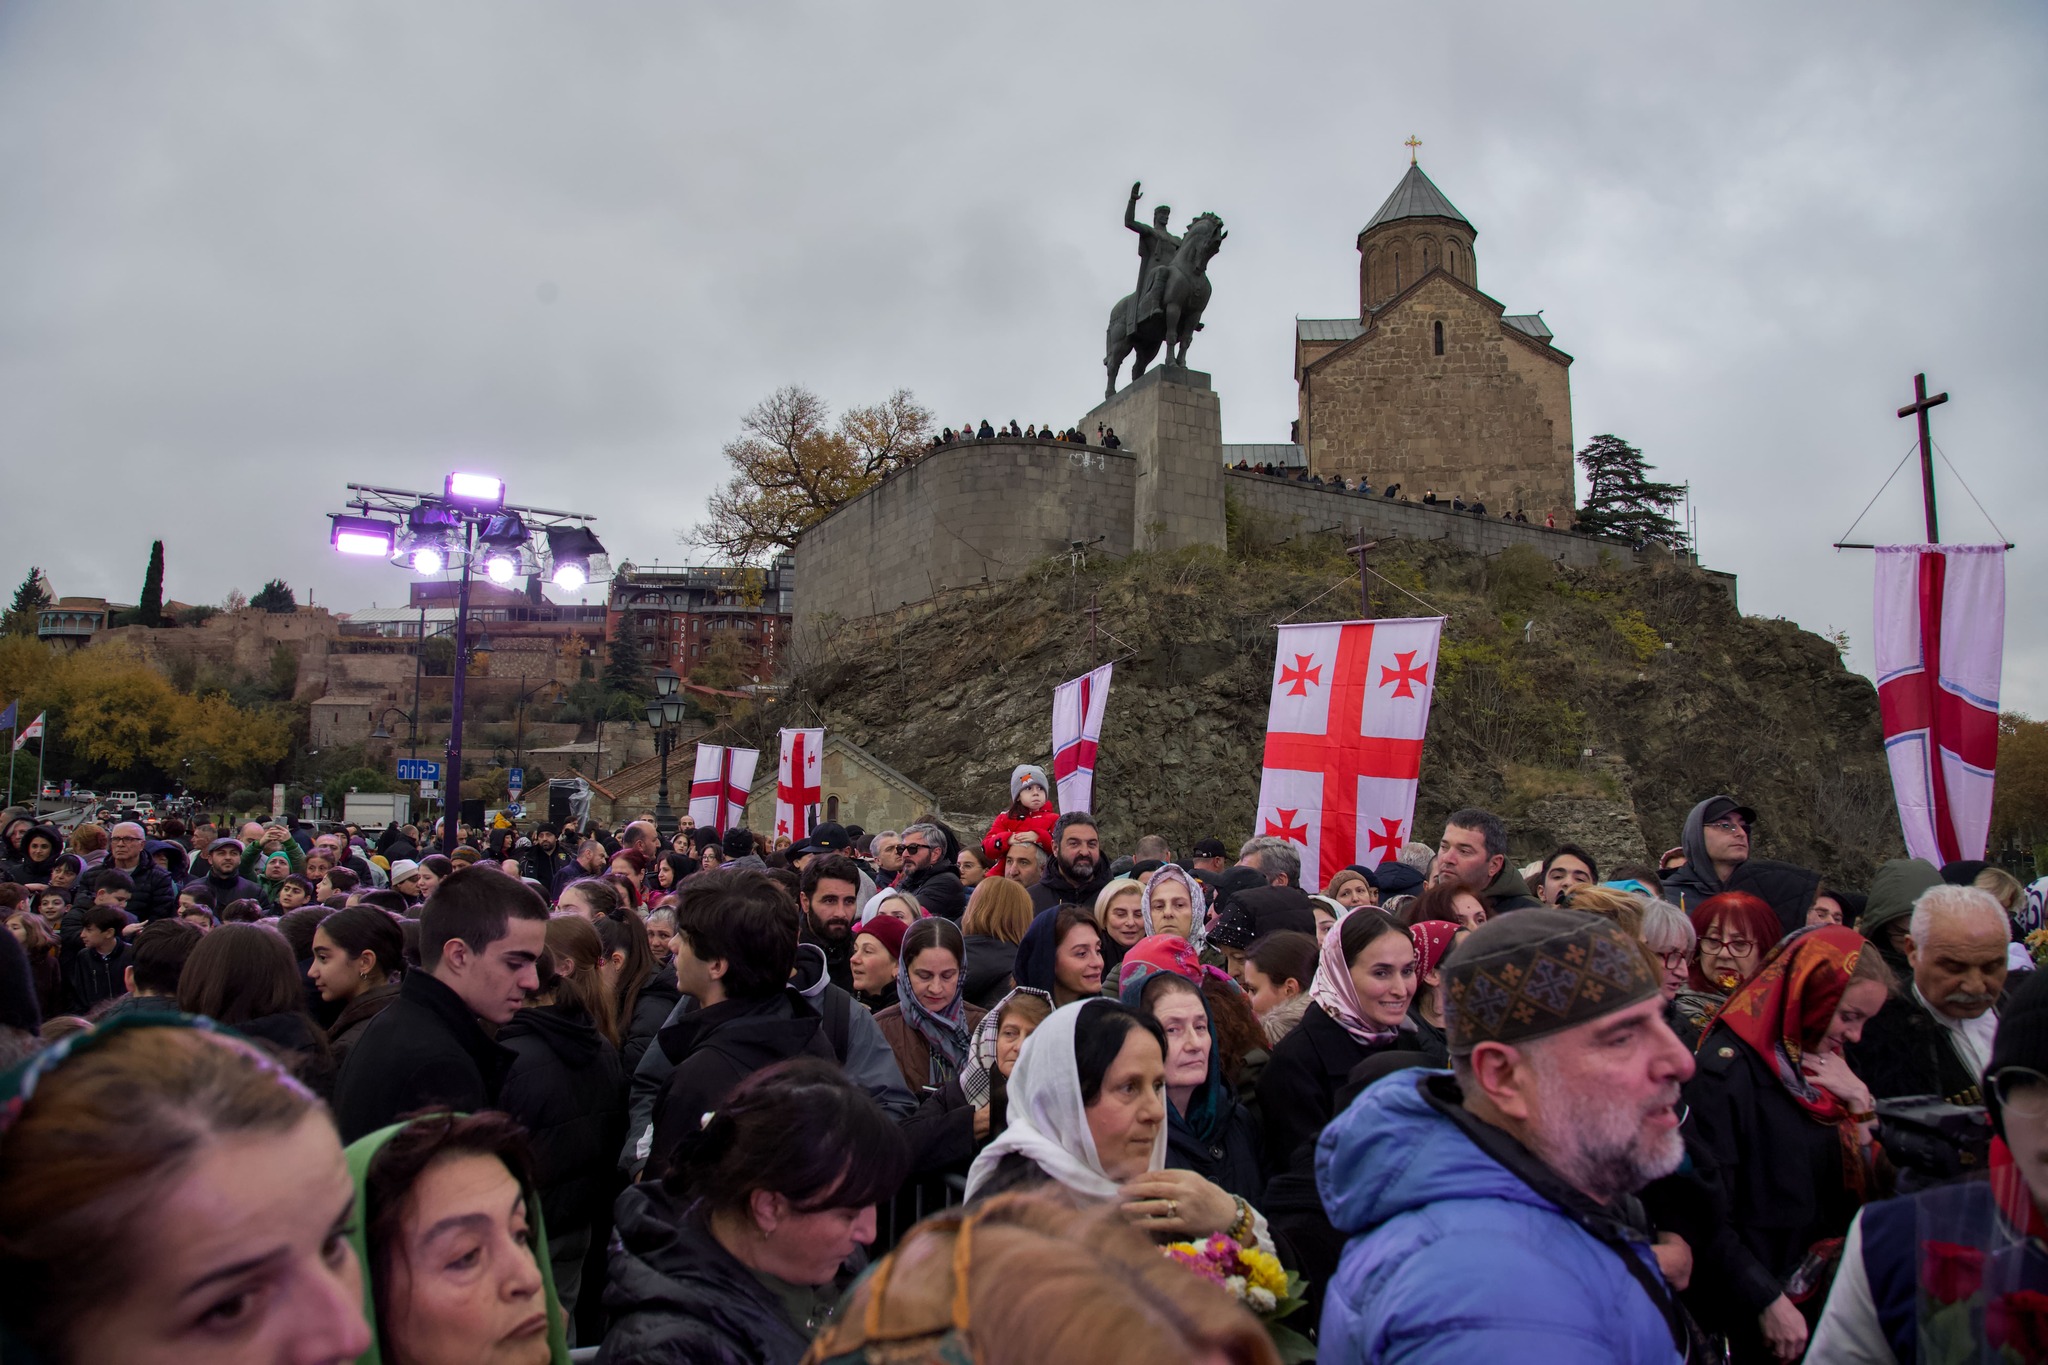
1170,312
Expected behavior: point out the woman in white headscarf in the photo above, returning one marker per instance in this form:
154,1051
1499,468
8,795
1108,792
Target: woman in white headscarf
900,905
1087,1110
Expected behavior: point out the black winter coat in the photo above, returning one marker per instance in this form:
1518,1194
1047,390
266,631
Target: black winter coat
542,864
1055,889
939,890
651,1008
347,1029
90,978
426,1048
565,1086
1906,1051
1233,1161
1778,1172
156,891
717,1047
302,1044
1298,1089
677,1297
224,890
987,972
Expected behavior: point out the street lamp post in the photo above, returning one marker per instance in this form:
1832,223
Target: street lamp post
665,714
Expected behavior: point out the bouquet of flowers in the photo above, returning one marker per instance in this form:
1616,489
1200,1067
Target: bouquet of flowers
2037,945
1255,1279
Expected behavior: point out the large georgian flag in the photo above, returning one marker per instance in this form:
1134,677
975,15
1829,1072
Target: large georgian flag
1344,727
1077,709
1940,639
799,783
718,793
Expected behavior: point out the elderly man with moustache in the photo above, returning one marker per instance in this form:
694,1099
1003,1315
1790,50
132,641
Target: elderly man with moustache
1937,1040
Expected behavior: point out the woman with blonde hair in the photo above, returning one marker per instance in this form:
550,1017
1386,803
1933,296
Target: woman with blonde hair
998,912
1120,911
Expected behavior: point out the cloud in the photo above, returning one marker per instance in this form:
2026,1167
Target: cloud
251,252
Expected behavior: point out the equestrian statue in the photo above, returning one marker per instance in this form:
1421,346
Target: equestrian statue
1173,289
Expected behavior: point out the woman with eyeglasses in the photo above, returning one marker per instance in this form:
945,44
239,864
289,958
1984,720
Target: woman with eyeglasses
1734,933
1783,1131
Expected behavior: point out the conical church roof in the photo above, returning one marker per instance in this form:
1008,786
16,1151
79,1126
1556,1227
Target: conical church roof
1416,197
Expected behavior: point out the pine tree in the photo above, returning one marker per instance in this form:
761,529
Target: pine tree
625,669
150,612
275,596
1622,502
30,598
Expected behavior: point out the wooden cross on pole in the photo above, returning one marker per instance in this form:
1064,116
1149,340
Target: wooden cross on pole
1357,552
1411,144
1918,408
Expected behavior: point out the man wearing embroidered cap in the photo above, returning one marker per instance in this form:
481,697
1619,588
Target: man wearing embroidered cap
1561,1104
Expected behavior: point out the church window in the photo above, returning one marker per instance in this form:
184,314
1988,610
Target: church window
1428,250
1397,272
1439,338
832,809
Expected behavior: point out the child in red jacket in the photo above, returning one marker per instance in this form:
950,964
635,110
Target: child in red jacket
1029,809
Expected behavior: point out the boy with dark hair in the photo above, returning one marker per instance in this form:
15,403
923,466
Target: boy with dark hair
736,944
98,971
339,881
111,886
156,961
480,934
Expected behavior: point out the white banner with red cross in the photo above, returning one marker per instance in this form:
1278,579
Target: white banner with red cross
1077,709
1940,641
718,793
1349,707
799,784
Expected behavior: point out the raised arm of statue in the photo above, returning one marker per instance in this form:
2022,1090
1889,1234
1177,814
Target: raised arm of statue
1131,211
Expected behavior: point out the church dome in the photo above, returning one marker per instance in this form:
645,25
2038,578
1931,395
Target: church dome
1416,231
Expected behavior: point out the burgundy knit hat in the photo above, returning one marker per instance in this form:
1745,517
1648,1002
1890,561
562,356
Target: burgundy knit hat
886,930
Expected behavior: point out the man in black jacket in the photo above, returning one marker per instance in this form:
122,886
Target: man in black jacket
736,944
929,873
99,971
224,877
480,934
156,892
1936,1039
1079,871
544,857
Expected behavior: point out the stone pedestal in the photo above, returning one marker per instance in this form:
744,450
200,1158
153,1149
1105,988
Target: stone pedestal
1169,420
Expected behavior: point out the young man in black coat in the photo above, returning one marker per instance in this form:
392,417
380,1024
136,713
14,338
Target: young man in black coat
99,971
481,933
736,941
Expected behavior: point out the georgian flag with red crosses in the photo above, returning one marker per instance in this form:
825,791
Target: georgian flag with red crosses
799,783
1344,727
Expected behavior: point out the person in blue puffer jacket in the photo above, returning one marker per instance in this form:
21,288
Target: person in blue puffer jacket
1491,1211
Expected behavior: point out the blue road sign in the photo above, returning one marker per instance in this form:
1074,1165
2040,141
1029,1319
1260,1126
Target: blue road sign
419,770
515,781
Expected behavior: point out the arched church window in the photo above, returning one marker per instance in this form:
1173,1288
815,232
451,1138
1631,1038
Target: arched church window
1397,272
1439,338
1428,252
832,809
1451,257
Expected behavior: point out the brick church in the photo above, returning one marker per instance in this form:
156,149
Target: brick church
1434,385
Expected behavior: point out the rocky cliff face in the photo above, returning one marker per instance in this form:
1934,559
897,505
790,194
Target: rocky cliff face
1591,705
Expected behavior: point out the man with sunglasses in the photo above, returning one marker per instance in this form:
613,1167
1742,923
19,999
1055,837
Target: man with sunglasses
930,874
1971,1252
1715,842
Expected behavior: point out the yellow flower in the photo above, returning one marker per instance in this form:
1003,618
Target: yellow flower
1264,1270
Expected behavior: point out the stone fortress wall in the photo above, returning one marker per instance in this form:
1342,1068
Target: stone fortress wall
986,511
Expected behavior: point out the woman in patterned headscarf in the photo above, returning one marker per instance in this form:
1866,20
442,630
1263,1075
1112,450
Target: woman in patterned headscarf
1783,1127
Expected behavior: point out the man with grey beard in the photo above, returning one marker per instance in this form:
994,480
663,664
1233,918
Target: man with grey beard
1492,1211
1937,1040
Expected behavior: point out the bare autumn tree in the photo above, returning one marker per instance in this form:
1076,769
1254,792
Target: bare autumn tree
797,465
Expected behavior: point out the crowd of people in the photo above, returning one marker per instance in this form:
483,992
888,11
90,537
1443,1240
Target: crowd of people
1105,436
912,1095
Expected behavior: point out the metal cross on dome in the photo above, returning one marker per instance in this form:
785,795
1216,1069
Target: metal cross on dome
1411,144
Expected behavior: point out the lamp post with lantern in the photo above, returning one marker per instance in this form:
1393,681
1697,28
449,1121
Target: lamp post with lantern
665,714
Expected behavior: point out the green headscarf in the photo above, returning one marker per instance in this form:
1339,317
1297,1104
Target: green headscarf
360,1153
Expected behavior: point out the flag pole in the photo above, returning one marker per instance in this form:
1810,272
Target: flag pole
42,744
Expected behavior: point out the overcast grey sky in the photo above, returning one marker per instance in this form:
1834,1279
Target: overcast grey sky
251,251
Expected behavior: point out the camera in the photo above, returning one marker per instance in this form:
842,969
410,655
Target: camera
1931,1140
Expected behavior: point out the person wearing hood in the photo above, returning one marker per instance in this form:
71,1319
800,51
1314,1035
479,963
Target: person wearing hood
565,1088
41,846
736,947
931,1026
1209,1131
1888,909
173,857
1061,954
993,925
1715,842
1524,1161
1781,1130
741,1253
1358,1006
1175,904
1473,854
453,1245
1958,1248
429,1048
15,823
1078,871
929,872
1029,810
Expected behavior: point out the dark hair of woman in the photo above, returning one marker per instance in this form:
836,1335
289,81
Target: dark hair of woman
298,925
1362,927
1070,917
1286,955
624,887
1099,1035
679,865
603,893
384,898
628,933
933,932
361,929
440,864
243,911
1234,1025
1439,902
397,1167
241,972
801,1130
